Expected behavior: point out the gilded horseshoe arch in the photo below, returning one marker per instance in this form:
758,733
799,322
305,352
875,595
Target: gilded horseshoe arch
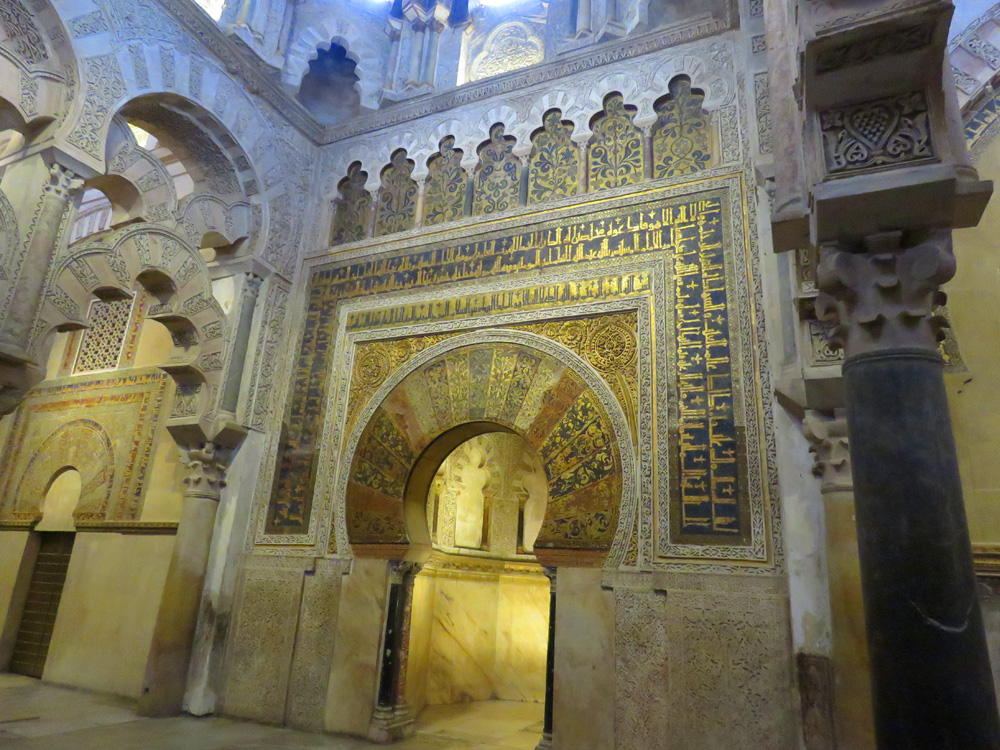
492,381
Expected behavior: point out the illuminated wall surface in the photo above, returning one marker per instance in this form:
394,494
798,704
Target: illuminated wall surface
668,267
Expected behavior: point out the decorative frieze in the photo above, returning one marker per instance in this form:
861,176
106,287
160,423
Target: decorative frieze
906,39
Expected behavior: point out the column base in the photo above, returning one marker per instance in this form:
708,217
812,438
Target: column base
390,724
545,743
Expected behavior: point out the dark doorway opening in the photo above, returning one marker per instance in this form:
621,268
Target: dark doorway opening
39,617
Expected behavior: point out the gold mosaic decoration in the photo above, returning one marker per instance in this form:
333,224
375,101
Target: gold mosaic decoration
554,163
682,134
608,343
516,387
112,447
446,187
397,198
375,361
498,174
615,154
350,222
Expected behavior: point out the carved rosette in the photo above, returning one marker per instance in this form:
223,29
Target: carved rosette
830,447
880,293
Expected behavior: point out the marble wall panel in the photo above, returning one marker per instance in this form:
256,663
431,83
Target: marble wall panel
704,661
463,641
263,639
354,676
418,660
478,635
314,646
583,716
522,638
107,612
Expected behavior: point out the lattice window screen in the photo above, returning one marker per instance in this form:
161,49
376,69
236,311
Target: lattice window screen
101,344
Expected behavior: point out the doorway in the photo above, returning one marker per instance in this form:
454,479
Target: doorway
34,633
480,611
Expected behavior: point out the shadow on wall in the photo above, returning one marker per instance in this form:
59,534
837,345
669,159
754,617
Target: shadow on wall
329,90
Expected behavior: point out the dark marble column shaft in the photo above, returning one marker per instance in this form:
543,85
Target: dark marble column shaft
931,680
550,664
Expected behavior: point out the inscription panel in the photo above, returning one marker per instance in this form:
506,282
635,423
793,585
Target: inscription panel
704,480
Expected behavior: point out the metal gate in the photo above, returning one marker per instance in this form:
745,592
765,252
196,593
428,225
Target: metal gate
47,579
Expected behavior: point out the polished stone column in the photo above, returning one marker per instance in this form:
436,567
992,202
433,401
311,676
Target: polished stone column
550,665
931,680
852,695
170,652
391,719
248,301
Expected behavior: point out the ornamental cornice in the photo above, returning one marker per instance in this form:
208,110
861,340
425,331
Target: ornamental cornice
576,62
260,78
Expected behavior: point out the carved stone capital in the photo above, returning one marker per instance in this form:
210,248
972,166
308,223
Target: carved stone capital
880,293
399,570
206,465
253,283
830,448
62,183
550,573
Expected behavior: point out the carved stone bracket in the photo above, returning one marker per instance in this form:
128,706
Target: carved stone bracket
830,448
880,293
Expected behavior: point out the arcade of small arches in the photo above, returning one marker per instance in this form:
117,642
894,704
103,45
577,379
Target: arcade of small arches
502,174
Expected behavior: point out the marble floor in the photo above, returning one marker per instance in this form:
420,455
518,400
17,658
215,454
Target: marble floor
36,716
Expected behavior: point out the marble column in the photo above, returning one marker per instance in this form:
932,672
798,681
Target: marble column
234,377
550,665
47,212
391,719
930,669
170,652
852,695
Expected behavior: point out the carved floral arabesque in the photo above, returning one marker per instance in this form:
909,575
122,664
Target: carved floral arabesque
22,35
446,186
615,155
554,163
350,221
879,133
682,134
397,199
498,175
508,47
